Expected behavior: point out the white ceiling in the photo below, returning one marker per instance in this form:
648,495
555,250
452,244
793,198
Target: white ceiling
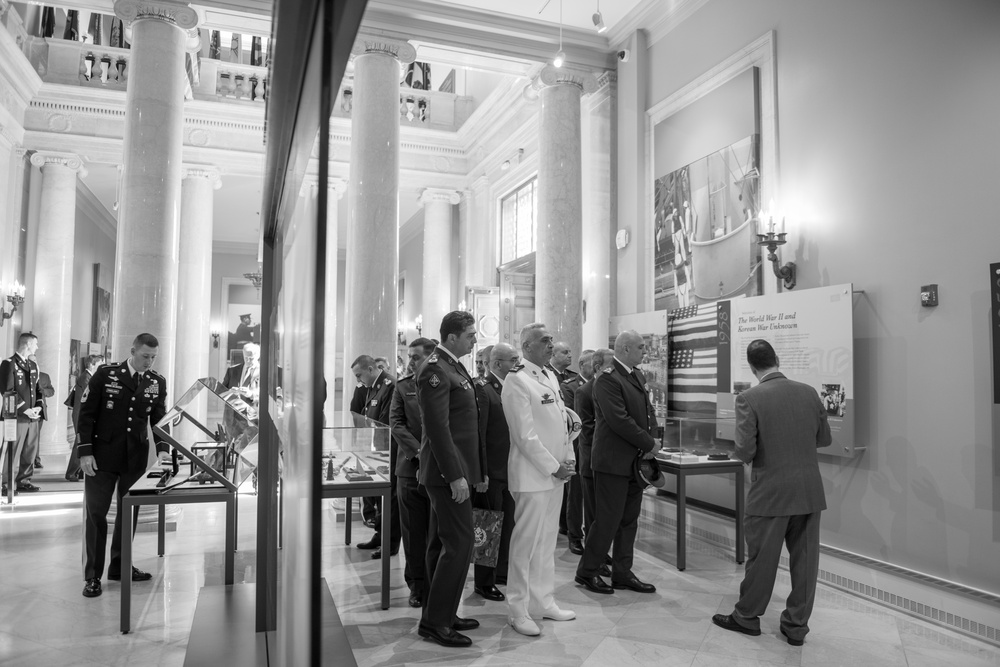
575,13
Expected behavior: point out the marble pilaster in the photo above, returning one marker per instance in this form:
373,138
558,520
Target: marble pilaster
478,248
52,297
194,272
558,257
438,286
373,229
145,296
335,192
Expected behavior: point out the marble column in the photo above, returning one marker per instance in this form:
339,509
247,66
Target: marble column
598,214
373,228
558,257
52,296
478,247
145,295
335,192
194,274
437,298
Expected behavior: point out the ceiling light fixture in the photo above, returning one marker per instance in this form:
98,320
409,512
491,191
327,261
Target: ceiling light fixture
560,55
599,20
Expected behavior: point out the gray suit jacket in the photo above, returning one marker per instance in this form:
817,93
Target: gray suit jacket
779,425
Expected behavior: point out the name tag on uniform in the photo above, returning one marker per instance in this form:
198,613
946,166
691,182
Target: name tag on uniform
112,391
547,398
411,393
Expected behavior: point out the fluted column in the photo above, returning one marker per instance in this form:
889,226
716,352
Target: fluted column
558,256
145,296
335,192
437,297
373,229
52,297
194,300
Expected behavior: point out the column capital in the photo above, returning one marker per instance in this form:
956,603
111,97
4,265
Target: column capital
367,43
72,161
336,186
175,13
555,76
207,171
428,195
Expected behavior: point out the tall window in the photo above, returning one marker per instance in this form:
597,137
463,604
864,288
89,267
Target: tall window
518,218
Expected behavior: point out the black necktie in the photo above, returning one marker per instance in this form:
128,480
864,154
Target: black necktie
135,378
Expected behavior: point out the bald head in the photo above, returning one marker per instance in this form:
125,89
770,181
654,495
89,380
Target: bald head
562,356
630,348
503,357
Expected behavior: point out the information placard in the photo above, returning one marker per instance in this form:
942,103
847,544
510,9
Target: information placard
812,333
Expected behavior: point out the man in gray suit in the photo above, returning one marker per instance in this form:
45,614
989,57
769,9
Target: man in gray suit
779,425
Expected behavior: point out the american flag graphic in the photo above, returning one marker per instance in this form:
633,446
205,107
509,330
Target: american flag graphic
693,339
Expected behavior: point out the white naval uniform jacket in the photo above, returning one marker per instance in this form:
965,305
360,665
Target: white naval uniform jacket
533,407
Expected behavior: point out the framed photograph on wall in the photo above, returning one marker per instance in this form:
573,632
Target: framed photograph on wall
101,332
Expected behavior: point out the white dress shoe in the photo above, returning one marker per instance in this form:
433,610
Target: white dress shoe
557,614
525,626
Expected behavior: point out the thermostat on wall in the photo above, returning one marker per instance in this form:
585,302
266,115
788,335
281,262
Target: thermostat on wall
621,239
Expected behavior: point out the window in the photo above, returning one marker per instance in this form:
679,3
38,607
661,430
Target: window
518,218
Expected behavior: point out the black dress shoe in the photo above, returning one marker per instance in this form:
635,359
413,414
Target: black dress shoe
92,588
576,547
604,571
415,600
443,636
374,543
595,584
464,624
377,554
633,584
28,487
726,622
137,575
491,593
792,642
72,478
38,464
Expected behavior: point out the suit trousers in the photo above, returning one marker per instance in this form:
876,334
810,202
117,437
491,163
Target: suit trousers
97,493
587,492
765,535
574,508
496,497
617,504
449,553
24,450
531,577
414,521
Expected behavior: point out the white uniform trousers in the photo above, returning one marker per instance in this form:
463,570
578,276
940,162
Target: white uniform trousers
531,568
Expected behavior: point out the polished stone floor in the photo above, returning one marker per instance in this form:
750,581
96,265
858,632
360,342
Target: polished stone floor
45,621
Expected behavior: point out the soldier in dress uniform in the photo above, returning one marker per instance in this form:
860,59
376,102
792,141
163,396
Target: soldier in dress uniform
451,462
493,493
414,505
573,498
121,402
19,374
623,430
378,400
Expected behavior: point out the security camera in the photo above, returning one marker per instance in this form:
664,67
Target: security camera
624,55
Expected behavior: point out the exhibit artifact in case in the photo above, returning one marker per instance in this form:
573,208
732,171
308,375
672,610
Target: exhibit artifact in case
692,438
355,451
215,428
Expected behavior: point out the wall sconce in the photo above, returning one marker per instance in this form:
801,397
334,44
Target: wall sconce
256,279
216,333
771,241
15,299
418,324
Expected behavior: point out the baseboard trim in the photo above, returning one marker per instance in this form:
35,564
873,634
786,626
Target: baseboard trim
967,610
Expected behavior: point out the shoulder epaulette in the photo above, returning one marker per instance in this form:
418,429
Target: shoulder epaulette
517,368
608,369
411,376
155,374
433,359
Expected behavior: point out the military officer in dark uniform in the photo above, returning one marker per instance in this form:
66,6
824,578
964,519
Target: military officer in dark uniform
19,374
451,462
378,400
562,357
584,406
121,402
493,493
414,505
573,493
75,401
624,424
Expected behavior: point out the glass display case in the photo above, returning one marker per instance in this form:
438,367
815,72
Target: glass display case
692,438
215,428
355,451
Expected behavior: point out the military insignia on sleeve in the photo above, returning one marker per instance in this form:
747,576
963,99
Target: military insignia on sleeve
433,359
434,380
